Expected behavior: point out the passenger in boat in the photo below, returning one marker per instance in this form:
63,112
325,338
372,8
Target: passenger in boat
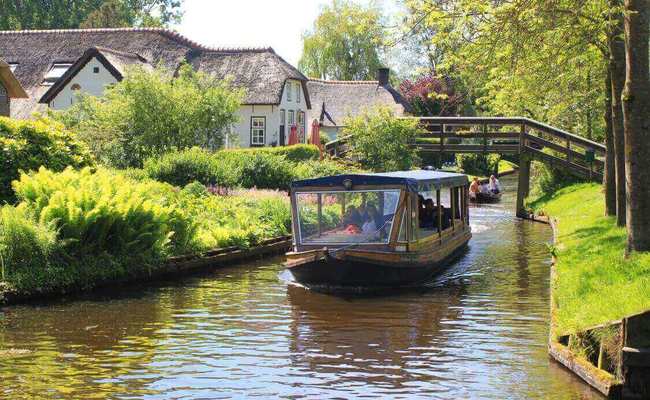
352,221
474,188
494,185
429,215
370,225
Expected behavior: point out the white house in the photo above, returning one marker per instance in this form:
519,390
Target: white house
54,65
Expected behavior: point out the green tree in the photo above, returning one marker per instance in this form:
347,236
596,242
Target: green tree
152,112
345,42
381,141
70,14
636,108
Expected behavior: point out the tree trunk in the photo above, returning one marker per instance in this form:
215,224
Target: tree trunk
609,172
617,64
636,104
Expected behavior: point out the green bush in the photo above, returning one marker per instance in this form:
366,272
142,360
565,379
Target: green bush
546,179
295,153
150,113
315,169
478,164
194,165
28,145
382,142
267,168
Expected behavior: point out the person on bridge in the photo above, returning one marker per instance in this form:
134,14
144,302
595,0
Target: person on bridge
494,185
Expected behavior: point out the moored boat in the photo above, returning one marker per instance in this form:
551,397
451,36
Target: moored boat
383,230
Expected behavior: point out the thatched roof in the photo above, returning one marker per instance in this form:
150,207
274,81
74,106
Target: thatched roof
338,100
10,83
116,62
260,71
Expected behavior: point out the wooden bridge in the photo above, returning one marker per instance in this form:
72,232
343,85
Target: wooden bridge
527,138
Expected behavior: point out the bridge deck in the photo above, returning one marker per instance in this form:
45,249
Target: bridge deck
499,135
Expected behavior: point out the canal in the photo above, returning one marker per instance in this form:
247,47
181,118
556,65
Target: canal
478,331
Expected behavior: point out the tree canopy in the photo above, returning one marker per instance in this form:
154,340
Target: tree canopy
345,42
545,60
71,14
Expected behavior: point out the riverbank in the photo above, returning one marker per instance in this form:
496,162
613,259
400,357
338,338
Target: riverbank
593,282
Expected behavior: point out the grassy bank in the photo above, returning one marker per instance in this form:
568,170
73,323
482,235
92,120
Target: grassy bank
594,282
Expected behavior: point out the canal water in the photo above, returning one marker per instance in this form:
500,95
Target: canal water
479,331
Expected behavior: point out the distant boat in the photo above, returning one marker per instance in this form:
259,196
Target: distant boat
382,230
485,197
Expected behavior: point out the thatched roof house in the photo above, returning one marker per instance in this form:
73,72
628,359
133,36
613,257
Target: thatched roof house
335,101
43,57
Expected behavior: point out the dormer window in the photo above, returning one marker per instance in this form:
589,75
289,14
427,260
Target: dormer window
13,66
289,86
56,71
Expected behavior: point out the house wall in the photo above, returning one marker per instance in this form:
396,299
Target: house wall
242,130
91,82
4,101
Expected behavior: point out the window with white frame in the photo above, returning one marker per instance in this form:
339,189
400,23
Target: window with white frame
292,118
56,71
289,87
258,131
298,92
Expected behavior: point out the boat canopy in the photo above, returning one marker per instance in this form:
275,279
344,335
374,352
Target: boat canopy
414,181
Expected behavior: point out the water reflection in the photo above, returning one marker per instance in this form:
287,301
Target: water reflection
478,331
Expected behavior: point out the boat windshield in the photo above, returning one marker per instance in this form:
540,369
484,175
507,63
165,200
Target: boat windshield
344,217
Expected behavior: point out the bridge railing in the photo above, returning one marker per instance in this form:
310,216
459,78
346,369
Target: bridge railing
501,135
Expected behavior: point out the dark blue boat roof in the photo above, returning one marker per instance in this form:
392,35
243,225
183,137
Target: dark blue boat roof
416,180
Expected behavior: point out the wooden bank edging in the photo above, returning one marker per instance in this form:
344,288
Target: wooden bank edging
175,266
601,380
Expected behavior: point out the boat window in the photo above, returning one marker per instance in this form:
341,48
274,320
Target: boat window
402,229
345,217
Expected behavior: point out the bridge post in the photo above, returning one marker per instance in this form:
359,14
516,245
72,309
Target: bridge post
523,185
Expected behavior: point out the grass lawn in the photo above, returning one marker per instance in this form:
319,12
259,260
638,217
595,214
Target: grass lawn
594,281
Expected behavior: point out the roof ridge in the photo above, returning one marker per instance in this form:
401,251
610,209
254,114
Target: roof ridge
172,34
326,81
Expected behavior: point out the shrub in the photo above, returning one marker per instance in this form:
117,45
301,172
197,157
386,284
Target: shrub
268,168
478,164
193,165
150,113
28,145
317,169
295,153
264,171
382,142
548,179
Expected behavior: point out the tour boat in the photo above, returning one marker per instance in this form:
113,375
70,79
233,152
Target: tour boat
377,230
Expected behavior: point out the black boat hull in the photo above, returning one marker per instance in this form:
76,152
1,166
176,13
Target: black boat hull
331,274
486,198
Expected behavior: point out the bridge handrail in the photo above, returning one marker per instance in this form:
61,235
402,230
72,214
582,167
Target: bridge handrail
514,121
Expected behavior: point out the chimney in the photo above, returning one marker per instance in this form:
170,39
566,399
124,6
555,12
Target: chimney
382,76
